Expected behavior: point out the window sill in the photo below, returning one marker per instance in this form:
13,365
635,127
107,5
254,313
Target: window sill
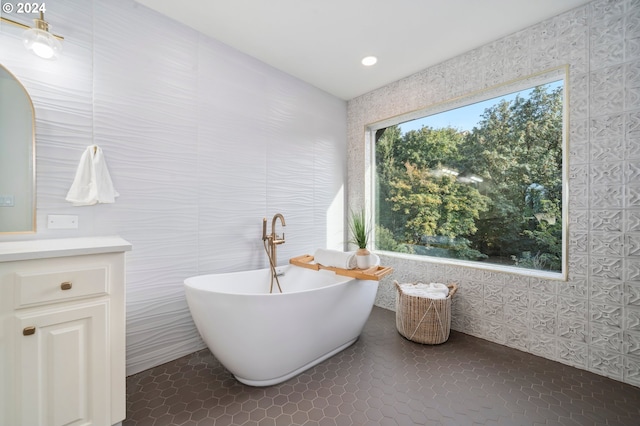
547,275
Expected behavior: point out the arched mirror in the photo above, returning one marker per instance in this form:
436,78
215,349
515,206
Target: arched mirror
17,157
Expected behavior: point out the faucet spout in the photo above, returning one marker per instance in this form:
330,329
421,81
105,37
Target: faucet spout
274,236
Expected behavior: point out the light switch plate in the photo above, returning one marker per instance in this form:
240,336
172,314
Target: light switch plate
62,221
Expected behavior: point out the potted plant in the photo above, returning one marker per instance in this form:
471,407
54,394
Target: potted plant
360,237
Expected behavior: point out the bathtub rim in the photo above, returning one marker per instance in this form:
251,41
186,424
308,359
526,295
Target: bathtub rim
204,286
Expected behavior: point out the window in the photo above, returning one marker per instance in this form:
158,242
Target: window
480,179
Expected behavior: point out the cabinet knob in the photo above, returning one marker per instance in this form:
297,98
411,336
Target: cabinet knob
65,285
28,331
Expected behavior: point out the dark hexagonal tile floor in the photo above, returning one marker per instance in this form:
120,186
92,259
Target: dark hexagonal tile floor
384,379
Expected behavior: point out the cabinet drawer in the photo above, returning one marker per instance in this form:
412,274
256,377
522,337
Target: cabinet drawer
37,288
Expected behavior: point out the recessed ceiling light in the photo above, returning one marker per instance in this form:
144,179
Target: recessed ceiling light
369,60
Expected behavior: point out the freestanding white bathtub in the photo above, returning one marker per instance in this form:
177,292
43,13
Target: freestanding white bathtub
264,339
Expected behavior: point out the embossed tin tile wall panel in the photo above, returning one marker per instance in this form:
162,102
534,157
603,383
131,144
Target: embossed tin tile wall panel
592,320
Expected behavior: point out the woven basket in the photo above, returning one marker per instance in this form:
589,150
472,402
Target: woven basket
424,320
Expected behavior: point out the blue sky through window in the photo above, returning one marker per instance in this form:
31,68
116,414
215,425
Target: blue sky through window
468,116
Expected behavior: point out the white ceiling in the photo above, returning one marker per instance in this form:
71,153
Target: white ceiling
323,41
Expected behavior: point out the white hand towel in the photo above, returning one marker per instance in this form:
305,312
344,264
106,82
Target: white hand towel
335,258
92,183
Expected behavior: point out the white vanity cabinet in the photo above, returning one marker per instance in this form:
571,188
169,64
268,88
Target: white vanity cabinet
62,332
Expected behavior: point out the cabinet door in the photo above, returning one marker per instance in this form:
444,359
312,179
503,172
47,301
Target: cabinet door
64,366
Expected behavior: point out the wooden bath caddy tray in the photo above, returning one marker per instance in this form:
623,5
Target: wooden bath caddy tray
374,273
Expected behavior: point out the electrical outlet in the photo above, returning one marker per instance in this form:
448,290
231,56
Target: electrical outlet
7,201
62,221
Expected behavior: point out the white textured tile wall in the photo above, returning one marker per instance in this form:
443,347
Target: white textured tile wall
592,321
202,142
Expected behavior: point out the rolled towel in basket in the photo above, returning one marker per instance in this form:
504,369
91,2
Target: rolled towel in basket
439,287
431,290
336,258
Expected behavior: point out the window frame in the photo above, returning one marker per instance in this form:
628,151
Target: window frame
524,83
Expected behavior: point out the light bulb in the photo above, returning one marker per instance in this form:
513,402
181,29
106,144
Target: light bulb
42,43
42,50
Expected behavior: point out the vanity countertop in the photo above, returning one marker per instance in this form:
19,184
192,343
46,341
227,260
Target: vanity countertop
42,249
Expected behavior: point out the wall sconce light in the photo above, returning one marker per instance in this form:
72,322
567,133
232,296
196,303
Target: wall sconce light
38,39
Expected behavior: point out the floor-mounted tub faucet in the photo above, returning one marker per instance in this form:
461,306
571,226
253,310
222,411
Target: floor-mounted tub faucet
270,242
